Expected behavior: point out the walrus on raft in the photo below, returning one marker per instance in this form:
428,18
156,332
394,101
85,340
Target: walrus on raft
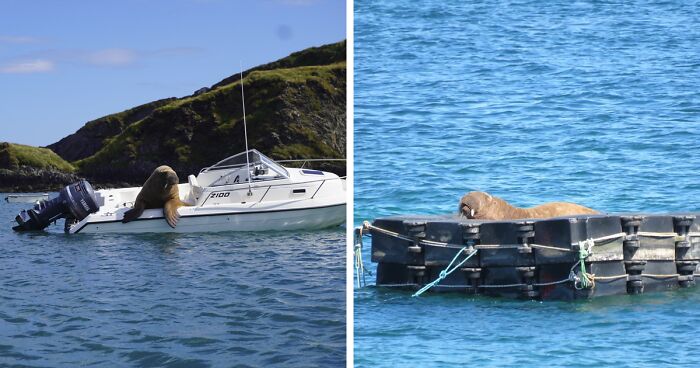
483,206
159,191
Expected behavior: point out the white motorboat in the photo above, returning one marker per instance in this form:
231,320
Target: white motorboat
26,197
244,192
239,193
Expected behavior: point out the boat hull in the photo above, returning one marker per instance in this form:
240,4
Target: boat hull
267,220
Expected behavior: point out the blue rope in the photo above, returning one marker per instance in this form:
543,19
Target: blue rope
444,273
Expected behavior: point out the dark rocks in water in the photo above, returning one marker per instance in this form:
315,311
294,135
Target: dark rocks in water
31,179
26,168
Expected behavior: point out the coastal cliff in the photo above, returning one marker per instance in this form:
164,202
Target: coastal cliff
28,169
295,108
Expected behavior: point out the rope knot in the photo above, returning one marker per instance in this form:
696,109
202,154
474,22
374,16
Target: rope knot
586,245
586,280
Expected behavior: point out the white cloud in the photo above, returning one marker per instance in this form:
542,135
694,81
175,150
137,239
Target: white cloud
111,57
46,60
27,67
175,51
18,39
298,2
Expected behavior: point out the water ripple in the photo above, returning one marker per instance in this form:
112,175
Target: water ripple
185,300
590,102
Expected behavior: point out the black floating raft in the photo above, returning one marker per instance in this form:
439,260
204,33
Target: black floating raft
561,258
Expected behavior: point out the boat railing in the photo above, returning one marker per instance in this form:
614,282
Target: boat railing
308,160
303,163
282,184
222,167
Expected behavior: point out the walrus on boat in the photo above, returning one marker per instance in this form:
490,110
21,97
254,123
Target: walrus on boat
159,191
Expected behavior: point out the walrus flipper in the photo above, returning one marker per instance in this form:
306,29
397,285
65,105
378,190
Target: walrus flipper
170,212
133,213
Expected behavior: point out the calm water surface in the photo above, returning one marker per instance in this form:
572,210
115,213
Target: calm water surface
174,300
589,102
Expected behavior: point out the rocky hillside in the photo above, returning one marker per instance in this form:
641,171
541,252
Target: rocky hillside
26,168
92,136
324,55
295,108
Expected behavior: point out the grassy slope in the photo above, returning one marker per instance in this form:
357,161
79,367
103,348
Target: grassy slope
91,137
323,55
291,113
295,109
13,156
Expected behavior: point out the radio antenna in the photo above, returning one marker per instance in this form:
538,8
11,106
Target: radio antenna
245,133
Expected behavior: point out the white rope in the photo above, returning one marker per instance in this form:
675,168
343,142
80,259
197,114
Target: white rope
456,286
655,234
553,282
655,276
550,248
369,226
360,270
397,285
486,246
586,245
586,242
609,237
500,286
608,278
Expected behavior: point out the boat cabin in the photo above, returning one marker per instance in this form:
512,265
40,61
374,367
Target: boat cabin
236,169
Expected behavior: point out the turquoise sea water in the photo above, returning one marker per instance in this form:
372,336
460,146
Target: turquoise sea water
586,101
171,300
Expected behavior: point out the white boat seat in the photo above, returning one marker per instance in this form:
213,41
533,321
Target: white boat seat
195,189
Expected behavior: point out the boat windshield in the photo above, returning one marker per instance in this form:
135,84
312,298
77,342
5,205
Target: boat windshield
258,162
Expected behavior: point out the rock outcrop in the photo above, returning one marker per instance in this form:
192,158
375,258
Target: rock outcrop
291,113
91,137
26,169
295,108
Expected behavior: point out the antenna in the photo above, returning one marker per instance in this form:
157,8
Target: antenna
245,133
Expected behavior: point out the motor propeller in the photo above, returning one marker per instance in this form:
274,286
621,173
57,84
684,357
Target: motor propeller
75,201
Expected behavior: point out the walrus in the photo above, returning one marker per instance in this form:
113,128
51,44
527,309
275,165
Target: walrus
159,191
483,206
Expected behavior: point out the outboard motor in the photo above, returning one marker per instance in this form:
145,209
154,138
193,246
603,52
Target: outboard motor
75,201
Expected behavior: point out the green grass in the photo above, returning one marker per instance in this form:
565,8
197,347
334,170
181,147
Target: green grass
300,105
304,74
12,156
314,56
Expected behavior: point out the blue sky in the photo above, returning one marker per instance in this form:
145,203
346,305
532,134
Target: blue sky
63,63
